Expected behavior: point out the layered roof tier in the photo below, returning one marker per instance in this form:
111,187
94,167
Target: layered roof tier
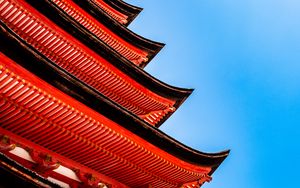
76,110
125,84
76,122
78,17
65,12
151,47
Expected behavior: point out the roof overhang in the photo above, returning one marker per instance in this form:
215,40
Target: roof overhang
149,142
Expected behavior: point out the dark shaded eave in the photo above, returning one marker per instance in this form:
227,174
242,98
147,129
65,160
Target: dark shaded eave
129,10
151,47
61,18
77,30
11,44
14,174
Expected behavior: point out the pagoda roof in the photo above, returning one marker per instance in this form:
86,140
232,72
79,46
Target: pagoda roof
151,47
75,20
37,63
130,10
158,100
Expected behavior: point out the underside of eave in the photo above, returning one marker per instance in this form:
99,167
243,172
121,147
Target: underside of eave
61,18
38,64
176,94
151,47
44,87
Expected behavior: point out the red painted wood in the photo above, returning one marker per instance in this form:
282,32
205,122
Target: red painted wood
27,145
129,51
76,58
63,125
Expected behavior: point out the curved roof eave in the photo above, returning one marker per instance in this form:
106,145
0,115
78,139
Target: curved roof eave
89,39
38,64
129,10
151,47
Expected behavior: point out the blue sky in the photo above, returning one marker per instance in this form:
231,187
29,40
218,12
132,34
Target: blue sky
242,58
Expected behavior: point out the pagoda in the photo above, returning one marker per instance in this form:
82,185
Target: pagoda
76,107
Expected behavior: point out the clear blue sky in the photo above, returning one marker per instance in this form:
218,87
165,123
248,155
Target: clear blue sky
243,59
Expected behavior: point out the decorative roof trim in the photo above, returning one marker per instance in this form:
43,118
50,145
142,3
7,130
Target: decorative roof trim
69,172
24,174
